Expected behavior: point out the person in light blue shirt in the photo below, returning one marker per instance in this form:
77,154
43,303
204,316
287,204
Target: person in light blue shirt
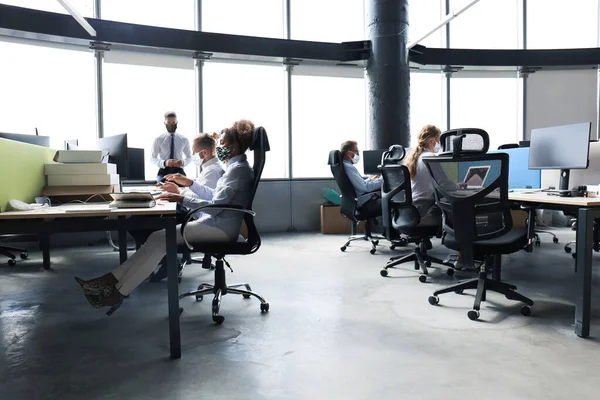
362,186
215,225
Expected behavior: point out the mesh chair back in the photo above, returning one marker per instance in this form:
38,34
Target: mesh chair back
396,195
474,140
259,147
472,192
336,163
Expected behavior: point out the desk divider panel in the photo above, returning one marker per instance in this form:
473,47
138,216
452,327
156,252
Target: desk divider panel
22,171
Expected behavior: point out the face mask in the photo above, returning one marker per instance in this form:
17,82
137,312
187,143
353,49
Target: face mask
223,153
356,159
171,128
437,148
196,159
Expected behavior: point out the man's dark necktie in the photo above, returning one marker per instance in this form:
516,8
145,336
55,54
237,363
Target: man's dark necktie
172,154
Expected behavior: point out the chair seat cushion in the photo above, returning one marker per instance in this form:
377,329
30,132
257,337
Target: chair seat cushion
511,242
240,247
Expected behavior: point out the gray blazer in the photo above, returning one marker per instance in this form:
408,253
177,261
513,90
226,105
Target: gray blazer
234,187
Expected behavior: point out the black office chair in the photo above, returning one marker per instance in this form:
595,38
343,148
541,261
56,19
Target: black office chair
477,221
353,207
7,251
508,146
400,216
260,145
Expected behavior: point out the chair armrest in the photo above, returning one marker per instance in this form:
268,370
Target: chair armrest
228,207
361,200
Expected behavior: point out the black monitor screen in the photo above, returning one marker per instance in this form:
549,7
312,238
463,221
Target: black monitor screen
560,147
116,146
137,165
31,139
371,159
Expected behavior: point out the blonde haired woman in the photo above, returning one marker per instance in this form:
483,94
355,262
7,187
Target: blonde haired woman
422,189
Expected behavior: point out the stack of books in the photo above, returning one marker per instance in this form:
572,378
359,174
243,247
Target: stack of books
78,174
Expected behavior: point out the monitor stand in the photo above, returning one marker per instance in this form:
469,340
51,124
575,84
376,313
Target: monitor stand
563,185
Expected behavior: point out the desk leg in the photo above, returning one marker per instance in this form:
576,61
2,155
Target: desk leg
585,227
44,239
122,243
172,284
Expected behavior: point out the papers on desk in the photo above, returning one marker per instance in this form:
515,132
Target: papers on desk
153,190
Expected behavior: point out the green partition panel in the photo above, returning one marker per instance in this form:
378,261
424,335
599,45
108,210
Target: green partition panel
22,171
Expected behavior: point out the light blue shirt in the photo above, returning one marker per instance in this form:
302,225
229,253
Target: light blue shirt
361,185
234,188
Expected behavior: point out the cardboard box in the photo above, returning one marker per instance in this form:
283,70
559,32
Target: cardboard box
80,180
78,156
80,169
519,218
334,222
63,194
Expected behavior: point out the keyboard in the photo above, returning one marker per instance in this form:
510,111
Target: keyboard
86,208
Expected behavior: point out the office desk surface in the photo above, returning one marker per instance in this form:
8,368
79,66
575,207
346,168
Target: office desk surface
59,212
543,197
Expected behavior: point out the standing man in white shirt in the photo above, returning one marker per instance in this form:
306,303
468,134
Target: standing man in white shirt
170,150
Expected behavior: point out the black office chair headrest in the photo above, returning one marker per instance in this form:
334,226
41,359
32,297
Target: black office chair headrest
395,153
465,141
335,157
260,139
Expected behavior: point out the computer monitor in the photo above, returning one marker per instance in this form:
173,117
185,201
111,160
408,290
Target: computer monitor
137,166
563,147
31,139
372,159
116,146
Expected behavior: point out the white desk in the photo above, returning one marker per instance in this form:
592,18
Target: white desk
48,220
586,210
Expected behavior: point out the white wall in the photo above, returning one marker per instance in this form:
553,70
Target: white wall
561,98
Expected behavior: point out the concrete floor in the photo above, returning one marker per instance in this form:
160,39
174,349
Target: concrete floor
336,330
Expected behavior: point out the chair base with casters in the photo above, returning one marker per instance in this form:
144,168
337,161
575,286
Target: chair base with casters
482,284
422,261
220,289
7,251
537,237
367,236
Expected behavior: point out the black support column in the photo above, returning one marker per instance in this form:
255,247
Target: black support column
388,73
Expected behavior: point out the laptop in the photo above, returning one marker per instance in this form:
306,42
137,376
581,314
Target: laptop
476,176
132,200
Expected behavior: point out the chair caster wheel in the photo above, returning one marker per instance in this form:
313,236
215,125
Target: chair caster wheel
555,240
376,242
574,255
11,262
427,264
180,310
343,248
24,255
458,291
199,297
450,272
372,251
392,247
538,243
433,300
264,307
526,311
218,319
567,249
246,296
383,272
422,278
473,315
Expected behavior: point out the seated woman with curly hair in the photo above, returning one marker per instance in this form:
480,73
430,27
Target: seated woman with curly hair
234,187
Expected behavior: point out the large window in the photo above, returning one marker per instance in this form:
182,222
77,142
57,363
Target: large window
83,7
243,17
423,15
137,96
489,24
326,111
327,20
254,92
557,24
48,88
492,104
179,14
427,105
